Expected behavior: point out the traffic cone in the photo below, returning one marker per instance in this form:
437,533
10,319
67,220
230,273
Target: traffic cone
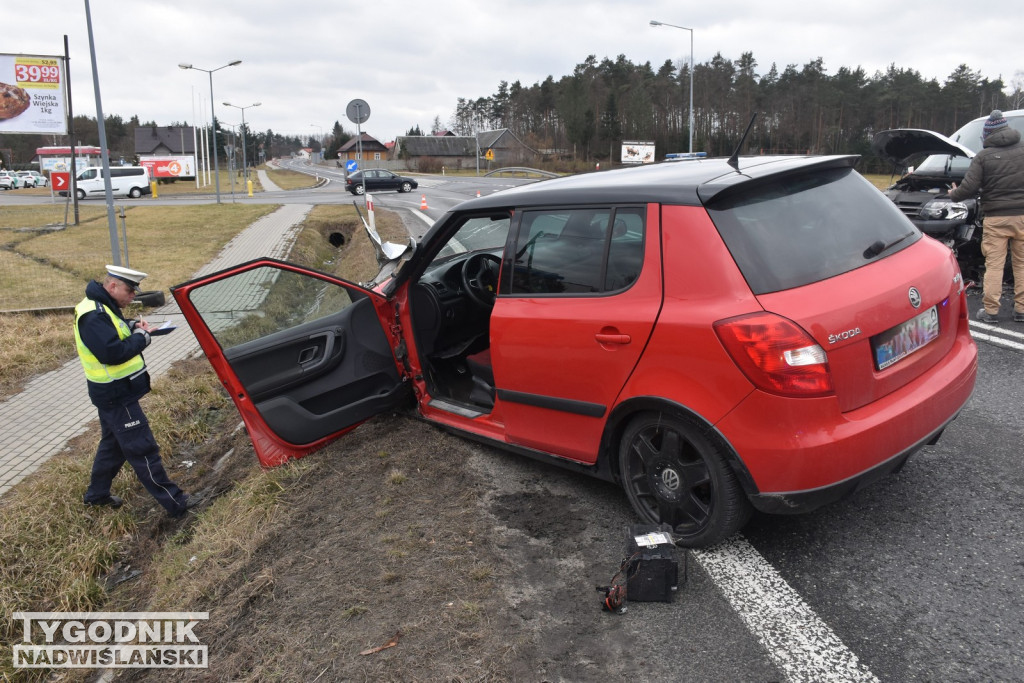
423,202
478,193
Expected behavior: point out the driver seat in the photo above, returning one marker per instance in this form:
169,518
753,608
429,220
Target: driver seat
482,377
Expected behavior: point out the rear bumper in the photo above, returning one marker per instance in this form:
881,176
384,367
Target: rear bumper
803,453
805,501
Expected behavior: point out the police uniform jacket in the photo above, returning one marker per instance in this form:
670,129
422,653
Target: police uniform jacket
98,333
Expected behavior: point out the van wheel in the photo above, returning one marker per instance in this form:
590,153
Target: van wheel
81,194
135,193
674,474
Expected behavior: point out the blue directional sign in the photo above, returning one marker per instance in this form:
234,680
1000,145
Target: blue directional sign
351,165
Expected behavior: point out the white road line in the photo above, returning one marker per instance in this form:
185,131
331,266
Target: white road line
802,646
998,339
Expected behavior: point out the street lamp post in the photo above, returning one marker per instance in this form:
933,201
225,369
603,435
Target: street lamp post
245,164
661,23
213,118
313,125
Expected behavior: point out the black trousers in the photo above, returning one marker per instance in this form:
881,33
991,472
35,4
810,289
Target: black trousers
126,436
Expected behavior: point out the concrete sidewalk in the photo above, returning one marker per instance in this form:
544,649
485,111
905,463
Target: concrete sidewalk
55,407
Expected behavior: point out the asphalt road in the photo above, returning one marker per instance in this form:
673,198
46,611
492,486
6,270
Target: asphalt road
918,578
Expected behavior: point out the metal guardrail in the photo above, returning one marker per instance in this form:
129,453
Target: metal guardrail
521,169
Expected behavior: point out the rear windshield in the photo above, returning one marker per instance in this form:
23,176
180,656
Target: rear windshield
794,230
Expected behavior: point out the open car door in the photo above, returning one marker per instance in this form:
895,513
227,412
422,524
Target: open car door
304,356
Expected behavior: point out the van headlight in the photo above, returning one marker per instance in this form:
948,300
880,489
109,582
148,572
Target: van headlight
943,209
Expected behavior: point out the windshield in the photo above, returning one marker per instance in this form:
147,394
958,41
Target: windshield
481,233
970,137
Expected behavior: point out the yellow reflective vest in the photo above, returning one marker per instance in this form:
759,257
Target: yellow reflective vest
95,371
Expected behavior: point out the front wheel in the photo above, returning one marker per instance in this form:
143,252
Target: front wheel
406,187
81,194
674,474
135,193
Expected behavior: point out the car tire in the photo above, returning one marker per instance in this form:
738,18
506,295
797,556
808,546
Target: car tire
80,193
135,193
674,473
152,298
358,189
405,187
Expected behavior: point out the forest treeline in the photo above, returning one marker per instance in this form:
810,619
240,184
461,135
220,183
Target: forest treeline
799,109
586,114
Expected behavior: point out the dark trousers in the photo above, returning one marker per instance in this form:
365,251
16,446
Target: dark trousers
125,435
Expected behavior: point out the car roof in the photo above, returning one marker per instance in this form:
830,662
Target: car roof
691,182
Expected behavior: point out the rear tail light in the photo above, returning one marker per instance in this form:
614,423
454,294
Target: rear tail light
776,355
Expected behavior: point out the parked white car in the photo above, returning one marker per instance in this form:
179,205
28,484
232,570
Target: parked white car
33,178
10,181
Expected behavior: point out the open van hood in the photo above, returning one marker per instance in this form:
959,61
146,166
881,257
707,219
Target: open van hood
901,145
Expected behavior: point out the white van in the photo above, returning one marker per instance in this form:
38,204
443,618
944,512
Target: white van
125,181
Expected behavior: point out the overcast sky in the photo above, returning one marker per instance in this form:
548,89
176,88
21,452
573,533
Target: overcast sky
304,60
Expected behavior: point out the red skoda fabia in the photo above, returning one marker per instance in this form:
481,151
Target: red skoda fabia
716,339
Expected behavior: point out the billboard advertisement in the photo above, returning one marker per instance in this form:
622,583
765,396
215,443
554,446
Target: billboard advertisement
637,152
170,166
32,95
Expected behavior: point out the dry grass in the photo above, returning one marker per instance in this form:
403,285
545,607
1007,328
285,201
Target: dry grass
879,180
32,344
290,180
190,568
56,552
171,243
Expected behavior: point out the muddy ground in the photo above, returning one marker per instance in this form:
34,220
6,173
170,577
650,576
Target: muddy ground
471,563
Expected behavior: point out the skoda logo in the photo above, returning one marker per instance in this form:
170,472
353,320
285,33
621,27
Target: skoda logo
915,297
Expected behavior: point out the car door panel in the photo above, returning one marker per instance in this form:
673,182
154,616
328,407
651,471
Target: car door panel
300,374
560,358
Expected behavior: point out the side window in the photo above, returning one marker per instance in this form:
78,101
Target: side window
577,251
88,175
626,254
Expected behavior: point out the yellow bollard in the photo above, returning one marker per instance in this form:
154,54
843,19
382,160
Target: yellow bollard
248,184
152,188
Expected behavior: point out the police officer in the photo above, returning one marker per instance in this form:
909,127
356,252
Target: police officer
110,348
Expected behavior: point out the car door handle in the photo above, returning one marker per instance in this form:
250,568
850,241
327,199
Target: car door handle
605,338
310,359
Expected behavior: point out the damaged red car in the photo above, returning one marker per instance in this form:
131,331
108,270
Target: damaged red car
717,337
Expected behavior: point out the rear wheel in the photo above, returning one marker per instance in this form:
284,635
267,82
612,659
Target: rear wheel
358,189
674,474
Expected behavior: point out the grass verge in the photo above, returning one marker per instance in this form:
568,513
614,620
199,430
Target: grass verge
57,552
59,555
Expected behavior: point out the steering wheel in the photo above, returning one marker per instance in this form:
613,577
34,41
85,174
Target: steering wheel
480,278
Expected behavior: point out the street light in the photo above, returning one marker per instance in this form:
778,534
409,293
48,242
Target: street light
213,117
245,164
661,23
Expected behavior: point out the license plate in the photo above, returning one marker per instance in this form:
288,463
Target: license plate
897,343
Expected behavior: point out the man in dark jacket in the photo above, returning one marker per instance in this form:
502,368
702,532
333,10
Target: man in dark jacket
110,349
997,172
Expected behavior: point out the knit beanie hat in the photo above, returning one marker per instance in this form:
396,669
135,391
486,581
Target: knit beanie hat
996,121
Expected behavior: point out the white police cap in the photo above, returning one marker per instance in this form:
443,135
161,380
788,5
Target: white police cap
127,275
